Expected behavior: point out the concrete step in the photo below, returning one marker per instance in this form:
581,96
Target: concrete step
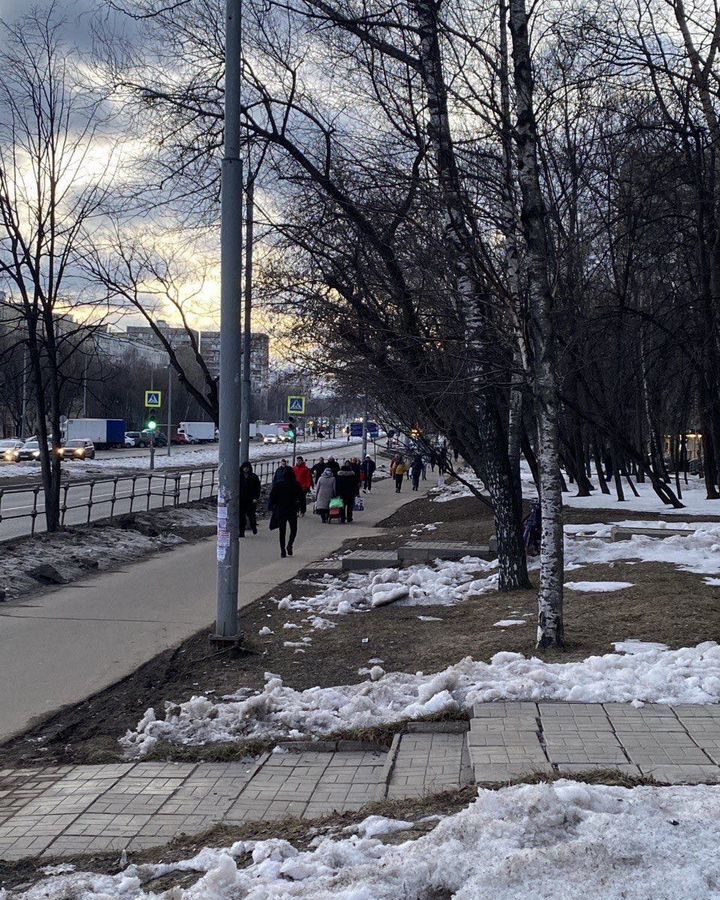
426,551
323,567
366,560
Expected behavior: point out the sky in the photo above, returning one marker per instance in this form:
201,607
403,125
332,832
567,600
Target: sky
80,15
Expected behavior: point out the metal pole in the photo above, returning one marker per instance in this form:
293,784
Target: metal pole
23,424
231,237
365,428
169,427
247,325
85,389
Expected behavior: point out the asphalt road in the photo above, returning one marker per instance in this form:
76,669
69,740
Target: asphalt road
16,505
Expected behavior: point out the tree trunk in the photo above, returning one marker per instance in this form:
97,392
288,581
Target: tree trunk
550,599
495,463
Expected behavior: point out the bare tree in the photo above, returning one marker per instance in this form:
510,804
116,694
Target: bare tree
51,190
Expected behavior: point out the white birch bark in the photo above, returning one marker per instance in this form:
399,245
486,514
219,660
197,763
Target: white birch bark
550,632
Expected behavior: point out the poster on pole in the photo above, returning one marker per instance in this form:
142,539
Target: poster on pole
296,406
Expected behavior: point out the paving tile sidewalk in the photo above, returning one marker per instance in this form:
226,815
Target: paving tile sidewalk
65,810
673,744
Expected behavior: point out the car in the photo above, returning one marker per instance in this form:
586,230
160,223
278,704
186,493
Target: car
159,438
271,439
130,440
30,451
9,449
77,449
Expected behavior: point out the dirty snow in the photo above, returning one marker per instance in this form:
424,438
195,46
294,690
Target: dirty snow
599,587
688,675
442,583
506,623
545,841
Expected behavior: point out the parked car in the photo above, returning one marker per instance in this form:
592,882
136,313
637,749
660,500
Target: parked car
159,436
77,449
9,449
129,439
137,438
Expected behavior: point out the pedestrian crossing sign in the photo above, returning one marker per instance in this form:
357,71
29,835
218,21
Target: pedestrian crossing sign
153,399
296,406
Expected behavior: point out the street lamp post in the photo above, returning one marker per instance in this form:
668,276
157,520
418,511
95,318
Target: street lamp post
231,238
245,401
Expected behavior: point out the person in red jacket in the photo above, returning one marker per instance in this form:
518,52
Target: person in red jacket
304,480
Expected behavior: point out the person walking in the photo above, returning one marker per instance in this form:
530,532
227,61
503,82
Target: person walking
283,504
248,496
368,470
318,469
416,467
393,464
333,464
347,487
399,474
305,482
324,492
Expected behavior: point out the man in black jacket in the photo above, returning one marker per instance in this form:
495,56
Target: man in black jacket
283,503
368,469
248,497
347,485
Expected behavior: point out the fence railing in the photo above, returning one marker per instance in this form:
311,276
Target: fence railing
114,495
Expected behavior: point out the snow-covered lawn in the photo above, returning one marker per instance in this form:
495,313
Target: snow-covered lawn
646,675
694,497
638,673
542,841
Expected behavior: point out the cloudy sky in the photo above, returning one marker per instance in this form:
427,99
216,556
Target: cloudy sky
80,17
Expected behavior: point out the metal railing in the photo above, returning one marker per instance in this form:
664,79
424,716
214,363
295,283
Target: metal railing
114,495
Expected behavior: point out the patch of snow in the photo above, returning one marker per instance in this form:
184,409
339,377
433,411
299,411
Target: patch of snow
631,645
264,631
542,841
429,619
600,587
506,623
442,583
688,675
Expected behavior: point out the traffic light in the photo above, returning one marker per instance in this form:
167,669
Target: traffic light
292,429
151,425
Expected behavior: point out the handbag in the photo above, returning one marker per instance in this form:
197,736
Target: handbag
359,505
336,503
274,520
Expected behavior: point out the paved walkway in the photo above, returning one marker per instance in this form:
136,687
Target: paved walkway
73,641
62,811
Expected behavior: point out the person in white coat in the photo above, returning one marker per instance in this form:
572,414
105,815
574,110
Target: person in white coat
325,490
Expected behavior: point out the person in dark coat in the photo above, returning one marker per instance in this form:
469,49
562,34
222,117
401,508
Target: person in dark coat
248,496
368,470
318,469
333,465
347,487
283,503
416,467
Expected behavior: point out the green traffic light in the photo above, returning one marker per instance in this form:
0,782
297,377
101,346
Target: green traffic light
152,425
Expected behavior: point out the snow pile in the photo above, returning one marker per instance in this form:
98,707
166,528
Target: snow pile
698,552
442,583
456,490
542,841
598,587
688,675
